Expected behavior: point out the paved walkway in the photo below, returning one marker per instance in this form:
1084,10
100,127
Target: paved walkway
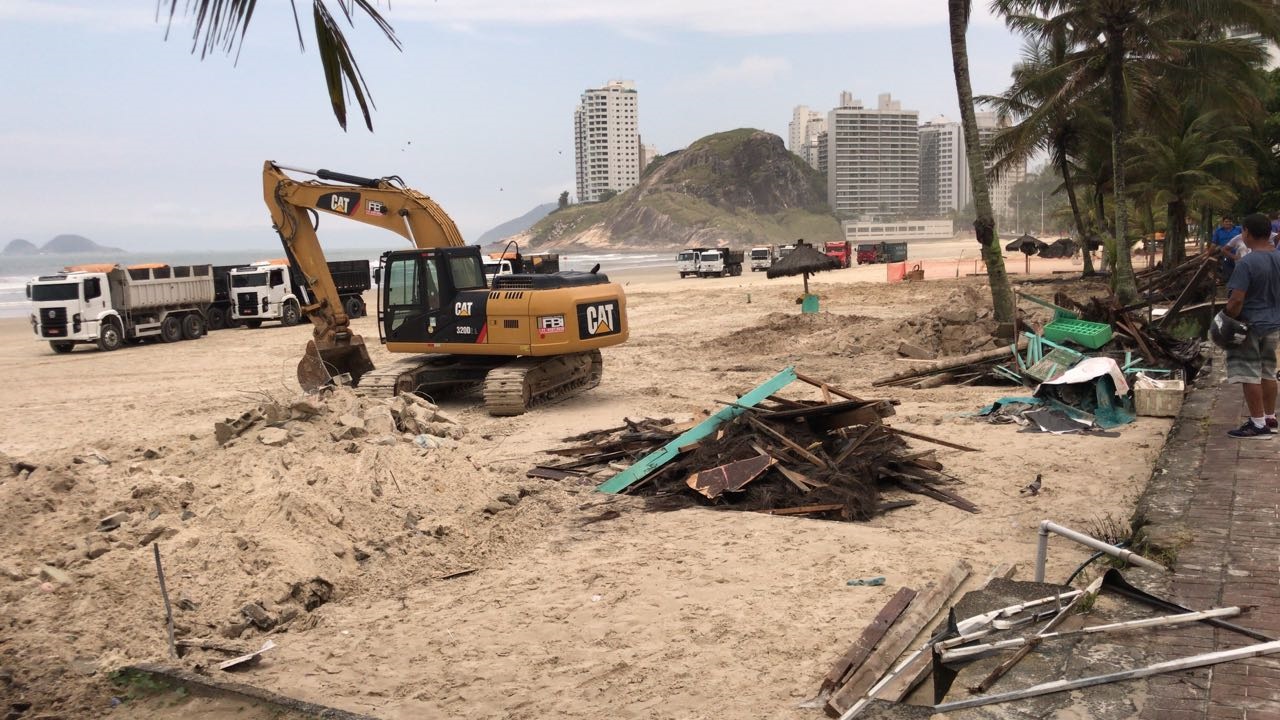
1219,500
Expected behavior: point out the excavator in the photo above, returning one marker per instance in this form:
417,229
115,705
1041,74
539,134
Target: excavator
528,339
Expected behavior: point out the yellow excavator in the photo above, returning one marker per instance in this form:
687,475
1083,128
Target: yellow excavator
528,338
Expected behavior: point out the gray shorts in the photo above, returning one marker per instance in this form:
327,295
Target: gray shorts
1255,359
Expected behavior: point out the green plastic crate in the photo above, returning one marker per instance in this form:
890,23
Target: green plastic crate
1082,332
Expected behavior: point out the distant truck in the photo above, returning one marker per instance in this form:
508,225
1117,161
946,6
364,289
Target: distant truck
720,261
841,250
763,257
108,305
872,253
268,290
513,263
688,262
219,315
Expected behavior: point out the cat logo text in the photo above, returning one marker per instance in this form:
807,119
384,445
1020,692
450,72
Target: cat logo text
599,319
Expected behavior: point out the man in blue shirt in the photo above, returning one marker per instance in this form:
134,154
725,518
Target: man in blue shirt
1254,298
1223,235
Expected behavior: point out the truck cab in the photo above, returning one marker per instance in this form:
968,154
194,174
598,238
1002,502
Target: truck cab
69,308
263,291
688,262
762,257
721,262
494,268
840,250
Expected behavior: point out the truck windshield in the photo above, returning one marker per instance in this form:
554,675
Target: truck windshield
249,280
55,291
686,257
710,257
759,254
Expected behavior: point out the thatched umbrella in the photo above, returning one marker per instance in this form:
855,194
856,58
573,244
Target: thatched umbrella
804,260
1028,245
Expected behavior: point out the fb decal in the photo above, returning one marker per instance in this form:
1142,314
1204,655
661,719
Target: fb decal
375,208
599,319
462,309
343,203
548,324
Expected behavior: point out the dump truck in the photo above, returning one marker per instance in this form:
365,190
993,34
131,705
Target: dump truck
763,257
720,261
506,263
688,261
108,305
219,315
268,290
841,250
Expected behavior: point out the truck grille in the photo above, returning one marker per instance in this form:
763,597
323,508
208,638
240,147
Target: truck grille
53,322
248,303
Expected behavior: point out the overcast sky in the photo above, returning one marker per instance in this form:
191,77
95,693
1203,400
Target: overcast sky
111,132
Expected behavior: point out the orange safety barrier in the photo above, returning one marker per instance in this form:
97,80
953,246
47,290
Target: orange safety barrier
895,272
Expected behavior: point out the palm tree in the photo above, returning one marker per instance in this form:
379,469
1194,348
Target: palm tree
221,25
1196,166
985,224
1127,47
1044,121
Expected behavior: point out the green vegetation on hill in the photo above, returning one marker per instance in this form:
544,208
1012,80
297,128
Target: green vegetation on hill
739,187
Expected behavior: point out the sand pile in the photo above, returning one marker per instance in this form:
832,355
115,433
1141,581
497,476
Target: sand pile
287,509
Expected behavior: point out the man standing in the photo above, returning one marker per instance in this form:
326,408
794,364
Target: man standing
1223,235
1254,298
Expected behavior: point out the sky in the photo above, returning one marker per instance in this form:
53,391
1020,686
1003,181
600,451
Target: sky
111,132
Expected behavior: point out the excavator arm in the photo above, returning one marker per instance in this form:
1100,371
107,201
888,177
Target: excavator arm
381,202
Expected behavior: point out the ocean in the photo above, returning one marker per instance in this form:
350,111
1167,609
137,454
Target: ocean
16,271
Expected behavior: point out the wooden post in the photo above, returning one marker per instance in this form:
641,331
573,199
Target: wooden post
164,593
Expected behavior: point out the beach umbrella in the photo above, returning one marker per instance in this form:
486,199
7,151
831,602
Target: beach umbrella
804,260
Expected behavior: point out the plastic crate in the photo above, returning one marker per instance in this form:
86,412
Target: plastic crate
1082,332
1158,398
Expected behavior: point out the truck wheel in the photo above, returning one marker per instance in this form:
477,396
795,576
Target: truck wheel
171,329
255,324
109,336
62,347
354,307
192,326
217,318
289,314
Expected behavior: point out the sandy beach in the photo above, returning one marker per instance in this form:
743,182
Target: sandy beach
692,613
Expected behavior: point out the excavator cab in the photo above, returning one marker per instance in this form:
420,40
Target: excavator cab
433,295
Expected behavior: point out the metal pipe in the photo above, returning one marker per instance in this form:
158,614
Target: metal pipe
1042,548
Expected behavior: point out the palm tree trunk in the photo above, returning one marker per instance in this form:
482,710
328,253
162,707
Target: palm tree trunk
1175,235
1082,231
985,224
1122,281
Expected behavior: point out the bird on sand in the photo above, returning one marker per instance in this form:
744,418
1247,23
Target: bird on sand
1033,488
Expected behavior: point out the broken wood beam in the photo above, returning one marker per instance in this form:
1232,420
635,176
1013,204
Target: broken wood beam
926,438
936,493
805,509
951,363
911,623
861,648
798,449
821,385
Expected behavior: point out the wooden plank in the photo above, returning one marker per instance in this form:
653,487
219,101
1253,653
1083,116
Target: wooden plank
798,479
805,509
730,477
668,452
912,623
926,438
952,363
787,441
936,493
831,388
1057,686
550,474
895,505
852,659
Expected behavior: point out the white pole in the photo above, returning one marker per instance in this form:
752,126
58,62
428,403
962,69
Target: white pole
1042,549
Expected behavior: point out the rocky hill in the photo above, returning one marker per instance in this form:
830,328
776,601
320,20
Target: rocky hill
516,225
59,245
735,188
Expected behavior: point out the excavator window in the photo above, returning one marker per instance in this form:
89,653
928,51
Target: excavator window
467,273
402,289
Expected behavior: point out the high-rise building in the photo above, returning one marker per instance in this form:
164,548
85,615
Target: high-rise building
873,159
804,125
944,176
647,154
606,141
1001,187
820,153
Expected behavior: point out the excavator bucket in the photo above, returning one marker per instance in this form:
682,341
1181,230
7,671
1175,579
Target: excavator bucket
319,367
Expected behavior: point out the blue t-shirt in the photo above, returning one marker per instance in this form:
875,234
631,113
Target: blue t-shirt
1258,275
1222,236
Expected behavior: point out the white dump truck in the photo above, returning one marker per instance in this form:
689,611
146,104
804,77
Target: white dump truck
689,262
720,262
108,305
763,257
265,291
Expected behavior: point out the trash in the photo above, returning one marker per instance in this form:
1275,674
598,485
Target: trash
1157,398
867,581
246,661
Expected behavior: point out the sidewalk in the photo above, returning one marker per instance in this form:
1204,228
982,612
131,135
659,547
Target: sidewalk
1217,504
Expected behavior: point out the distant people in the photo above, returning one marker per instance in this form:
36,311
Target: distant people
1254,298
1221,236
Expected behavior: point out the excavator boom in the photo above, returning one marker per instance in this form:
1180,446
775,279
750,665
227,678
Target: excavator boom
382,202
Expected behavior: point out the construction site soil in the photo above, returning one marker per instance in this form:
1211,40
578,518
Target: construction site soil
419,573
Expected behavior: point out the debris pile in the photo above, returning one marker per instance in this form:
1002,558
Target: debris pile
345,416
823,458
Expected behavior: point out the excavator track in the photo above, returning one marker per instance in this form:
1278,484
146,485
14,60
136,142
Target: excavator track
528,382
435,375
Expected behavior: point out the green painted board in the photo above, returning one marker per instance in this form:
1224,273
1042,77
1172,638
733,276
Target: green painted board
668,452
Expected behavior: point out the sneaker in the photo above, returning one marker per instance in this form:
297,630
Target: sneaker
1271,424
1249,431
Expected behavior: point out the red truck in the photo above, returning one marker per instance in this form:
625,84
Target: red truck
841,250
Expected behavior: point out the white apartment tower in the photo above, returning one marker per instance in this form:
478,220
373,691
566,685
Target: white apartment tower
804,126
1002,187
944,170
606,140
873,159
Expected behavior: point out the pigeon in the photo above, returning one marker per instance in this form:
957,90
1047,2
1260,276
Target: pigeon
1033,488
